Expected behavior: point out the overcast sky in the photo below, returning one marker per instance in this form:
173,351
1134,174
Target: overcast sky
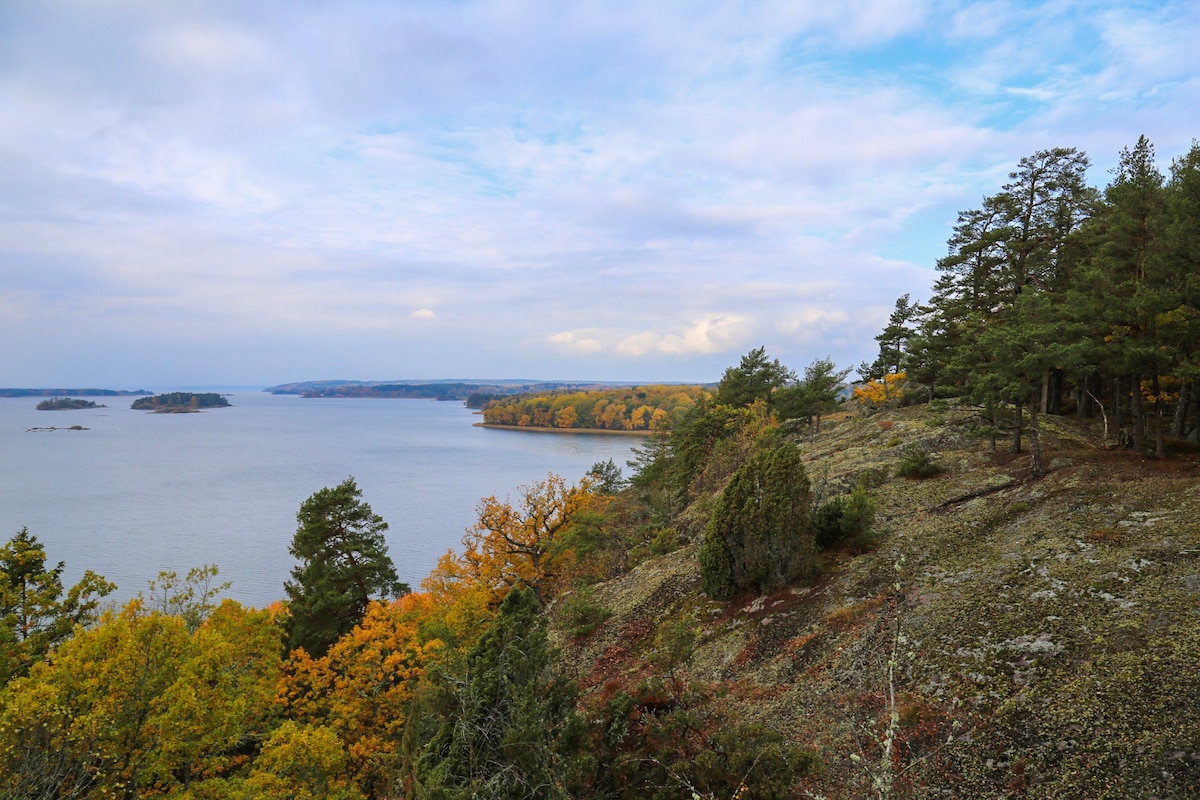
240,192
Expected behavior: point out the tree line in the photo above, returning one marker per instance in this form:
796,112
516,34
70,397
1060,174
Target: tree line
636,408
1056,297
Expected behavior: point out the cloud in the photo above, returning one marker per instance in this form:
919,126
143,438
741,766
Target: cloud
585,341
605,188
706,336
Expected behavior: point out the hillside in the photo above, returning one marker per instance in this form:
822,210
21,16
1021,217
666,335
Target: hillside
1007,638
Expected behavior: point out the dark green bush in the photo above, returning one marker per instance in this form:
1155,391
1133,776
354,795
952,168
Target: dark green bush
918,463
845,519
759,535
582,614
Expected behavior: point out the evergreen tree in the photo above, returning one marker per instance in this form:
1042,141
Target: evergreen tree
759,535
1022,241
506,725
754,378
34,614
1181,325
893,341
343,566
814,395
1131,286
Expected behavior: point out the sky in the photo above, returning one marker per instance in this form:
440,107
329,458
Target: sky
242,192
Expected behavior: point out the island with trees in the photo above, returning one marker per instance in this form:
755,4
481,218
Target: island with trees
67,404
180,402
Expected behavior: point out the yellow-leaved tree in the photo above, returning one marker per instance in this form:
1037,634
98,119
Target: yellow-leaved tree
138,707
362,688
525,543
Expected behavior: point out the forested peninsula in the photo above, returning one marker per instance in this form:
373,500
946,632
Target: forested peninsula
622,409
971,574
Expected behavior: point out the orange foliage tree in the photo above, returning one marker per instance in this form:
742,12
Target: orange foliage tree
526,543
878,393
362,688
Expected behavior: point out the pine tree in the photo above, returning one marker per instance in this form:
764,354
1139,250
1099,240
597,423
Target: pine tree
34,614
343,566
1131,285
754,378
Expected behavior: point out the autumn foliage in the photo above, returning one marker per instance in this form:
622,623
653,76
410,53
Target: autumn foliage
637,408
882,392
527,543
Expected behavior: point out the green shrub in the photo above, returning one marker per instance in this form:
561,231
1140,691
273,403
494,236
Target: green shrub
873,477
845,519
665,541
582,614
759,535
918,463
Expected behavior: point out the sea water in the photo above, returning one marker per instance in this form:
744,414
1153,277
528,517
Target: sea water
138,493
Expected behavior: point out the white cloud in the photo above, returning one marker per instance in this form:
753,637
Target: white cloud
584,341
704,337
423,313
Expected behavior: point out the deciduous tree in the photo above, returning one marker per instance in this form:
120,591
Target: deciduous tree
522,543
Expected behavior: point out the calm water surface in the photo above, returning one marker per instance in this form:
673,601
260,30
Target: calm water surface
139,492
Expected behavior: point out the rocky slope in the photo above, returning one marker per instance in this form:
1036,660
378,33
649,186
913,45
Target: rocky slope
1008,637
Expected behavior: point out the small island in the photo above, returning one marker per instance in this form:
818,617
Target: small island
180,402
66,404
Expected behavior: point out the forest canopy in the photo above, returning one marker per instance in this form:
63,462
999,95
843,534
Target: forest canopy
1056,297
633,408
181,401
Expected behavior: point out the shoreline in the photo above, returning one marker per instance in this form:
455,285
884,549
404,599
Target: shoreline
532,429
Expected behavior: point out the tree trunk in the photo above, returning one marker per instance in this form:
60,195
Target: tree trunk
1018,419
1181,411
1035,443
1160,445
1138,423
1117,405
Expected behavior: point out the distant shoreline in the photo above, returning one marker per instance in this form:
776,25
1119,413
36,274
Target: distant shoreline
534,429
